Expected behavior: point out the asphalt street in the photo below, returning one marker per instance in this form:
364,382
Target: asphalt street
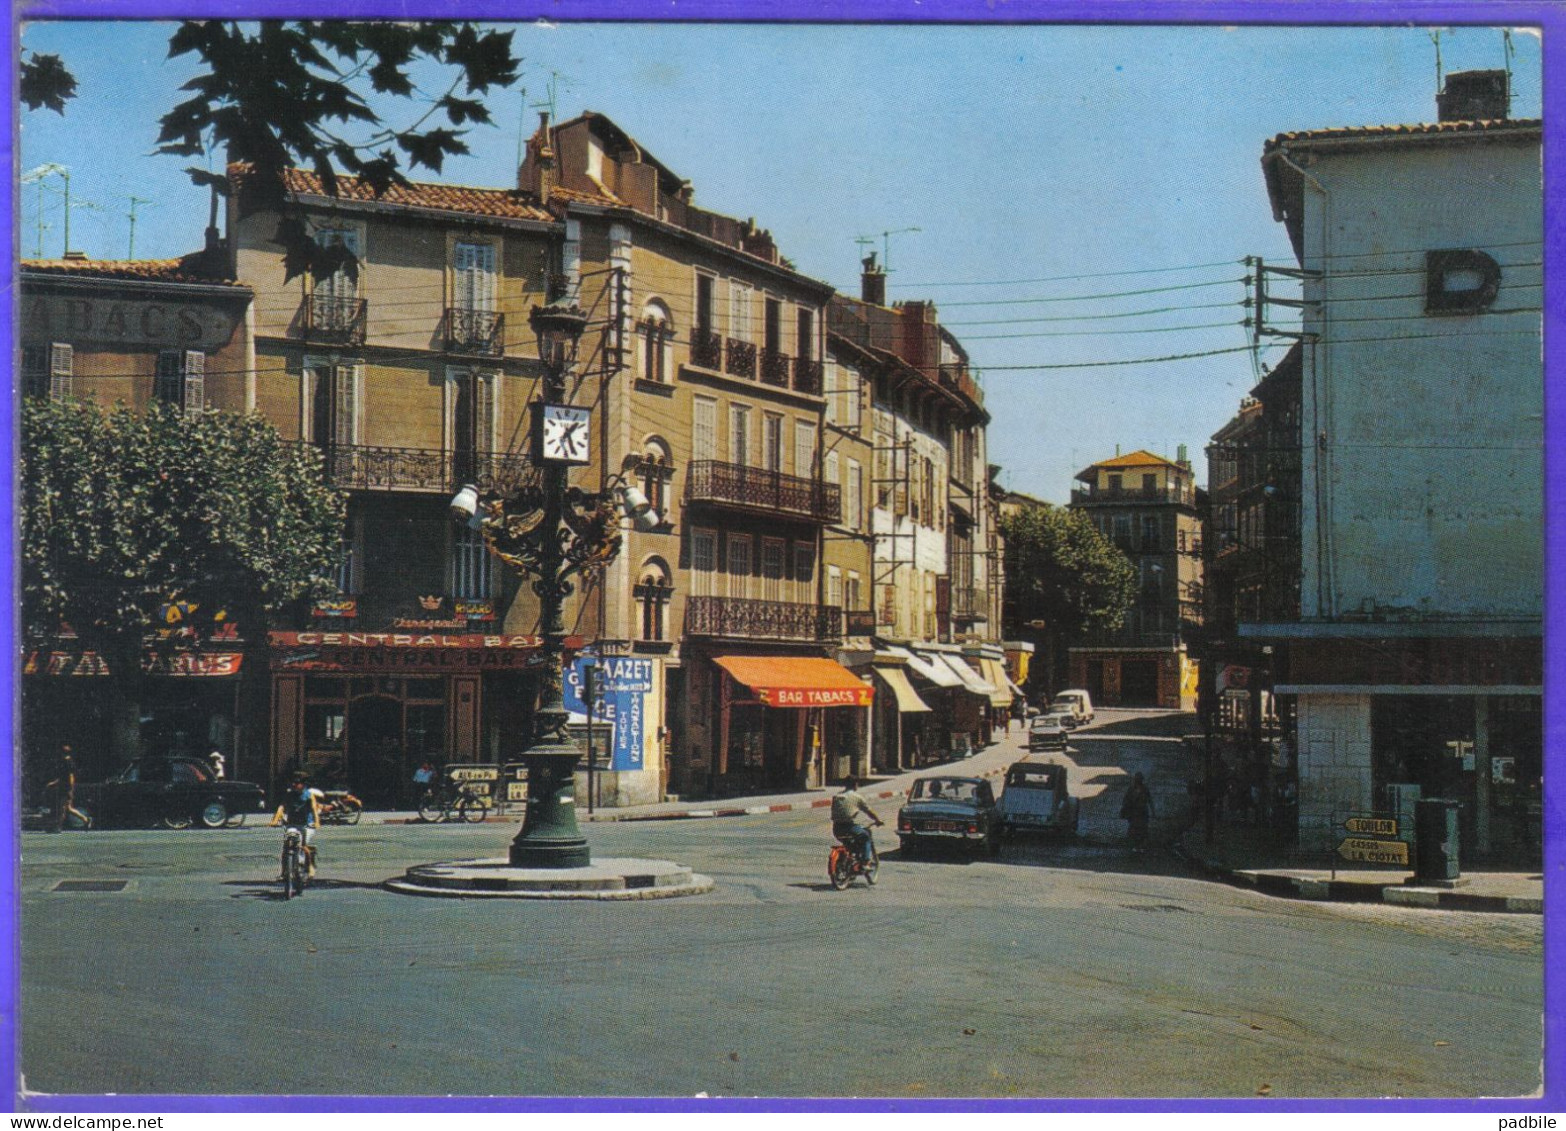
1057,971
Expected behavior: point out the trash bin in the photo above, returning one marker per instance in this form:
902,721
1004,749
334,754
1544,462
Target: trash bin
1435,839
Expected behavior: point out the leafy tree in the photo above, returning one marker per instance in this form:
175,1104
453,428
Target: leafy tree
125,514
44,81
283,93
1060,570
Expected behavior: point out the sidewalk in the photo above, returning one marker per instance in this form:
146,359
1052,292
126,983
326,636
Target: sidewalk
1250,857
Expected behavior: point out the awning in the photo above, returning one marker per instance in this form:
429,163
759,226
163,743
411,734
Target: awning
995,673
908,700
929,667
798,681
970,678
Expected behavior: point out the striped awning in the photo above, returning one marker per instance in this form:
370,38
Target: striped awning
928,666
995,672
970,679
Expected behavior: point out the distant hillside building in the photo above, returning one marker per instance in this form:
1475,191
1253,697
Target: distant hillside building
1148,506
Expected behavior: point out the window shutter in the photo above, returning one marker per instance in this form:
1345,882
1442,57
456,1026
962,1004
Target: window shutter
62,360
485,388
195,381
704,425
345,404
805,449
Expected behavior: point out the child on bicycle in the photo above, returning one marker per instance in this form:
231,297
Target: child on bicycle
301,809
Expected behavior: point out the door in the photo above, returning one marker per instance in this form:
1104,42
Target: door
374,737
1138,683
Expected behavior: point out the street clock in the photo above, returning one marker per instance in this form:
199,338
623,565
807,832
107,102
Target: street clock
561,433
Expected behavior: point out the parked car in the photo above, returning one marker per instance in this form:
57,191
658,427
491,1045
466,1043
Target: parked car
1047,732
1076,703
950,810
174,792
1036,800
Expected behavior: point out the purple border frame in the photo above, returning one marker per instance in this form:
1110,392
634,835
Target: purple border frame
1544,14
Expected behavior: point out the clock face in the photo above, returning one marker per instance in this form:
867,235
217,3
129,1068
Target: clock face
563,433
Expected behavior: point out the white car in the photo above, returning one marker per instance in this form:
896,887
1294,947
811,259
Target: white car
1076,703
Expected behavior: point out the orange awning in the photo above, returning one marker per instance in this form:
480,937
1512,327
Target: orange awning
798,681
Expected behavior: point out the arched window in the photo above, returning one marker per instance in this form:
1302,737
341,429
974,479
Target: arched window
656,470
655,338
652,592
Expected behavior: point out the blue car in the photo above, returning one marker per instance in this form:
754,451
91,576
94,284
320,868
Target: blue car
950,810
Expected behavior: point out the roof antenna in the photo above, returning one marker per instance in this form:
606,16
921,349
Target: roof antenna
1435,38
522,126
1509,50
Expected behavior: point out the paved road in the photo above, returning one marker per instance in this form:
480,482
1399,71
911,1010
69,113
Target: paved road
1054,971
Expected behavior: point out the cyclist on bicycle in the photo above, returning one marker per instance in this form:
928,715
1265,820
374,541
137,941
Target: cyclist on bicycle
845,807
301,809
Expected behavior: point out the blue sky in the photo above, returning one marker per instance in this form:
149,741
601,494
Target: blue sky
1023,154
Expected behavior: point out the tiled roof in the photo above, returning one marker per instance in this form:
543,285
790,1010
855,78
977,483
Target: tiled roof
1423,129
181,270
507,204
605,197
1137,458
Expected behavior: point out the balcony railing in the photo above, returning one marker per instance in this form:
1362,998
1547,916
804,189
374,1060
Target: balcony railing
740,359
1134,495
361,467
970,604
774,368
754,488
807,376
479,332
332,318
739,619
706,349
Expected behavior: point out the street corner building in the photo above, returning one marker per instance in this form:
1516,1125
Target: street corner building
822,499
1375,554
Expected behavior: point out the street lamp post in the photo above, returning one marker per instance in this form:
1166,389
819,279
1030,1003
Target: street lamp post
552,532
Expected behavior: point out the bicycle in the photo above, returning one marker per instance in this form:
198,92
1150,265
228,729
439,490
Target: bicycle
456,802
296,862
843,864
341,808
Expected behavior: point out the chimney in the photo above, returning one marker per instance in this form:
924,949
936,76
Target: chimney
872,284
537,174
1471,96
1181,458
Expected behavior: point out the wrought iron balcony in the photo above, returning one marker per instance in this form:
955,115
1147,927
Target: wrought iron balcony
807,376
969,603
738,619
480,332
706,349
361,467
756,489
333,318
774,368
739,359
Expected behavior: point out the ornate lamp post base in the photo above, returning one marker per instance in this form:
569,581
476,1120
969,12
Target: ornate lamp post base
550,837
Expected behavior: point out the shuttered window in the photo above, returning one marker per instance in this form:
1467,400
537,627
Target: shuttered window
473,270
62,362
805,448
704,428
181,380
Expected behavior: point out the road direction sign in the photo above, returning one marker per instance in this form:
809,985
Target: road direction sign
1372,826
1368,851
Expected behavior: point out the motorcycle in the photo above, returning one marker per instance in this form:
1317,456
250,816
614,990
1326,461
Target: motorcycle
341,808
843,864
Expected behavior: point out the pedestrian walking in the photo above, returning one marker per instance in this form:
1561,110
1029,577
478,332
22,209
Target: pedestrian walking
215,760
1136,809
64,786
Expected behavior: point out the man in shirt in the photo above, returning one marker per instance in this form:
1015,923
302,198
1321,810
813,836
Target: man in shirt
845,807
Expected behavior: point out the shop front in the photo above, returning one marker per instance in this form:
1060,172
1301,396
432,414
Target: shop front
900,713
365,710
787,722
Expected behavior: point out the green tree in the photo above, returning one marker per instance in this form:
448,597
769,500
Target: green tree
1062,572
281,93
125,514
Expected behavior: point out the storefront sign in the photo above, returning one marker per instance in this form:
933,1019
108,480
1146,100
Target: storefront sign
96,321
814,697
432,653
620,685
216,664
336,607
474,610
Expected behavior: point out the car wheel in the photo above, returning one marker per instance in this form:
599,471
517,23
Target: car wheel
176,821
214,815
992,844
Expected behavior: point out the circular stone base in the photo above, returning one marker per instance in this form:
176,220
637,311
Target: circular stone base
609,878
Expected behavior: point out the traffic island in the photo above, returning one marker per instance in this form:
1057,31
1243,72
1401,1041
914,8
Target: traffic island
607,879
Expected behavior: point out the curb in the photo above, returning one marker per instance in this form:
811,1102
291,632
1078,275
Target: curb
1348,891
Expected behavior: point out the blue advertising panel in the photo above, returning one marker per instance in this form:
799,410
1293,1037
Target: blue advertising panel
622,684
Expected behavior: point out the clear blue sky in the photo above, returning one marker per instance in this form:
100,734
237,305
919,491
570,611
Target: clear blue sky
1020,153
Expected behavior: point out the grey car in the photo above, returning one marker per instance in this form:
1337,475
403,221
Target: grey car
950,810
1036,801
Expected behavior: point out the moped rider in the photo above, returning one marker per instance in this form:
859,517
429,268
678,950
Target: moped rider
845,807
301,809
